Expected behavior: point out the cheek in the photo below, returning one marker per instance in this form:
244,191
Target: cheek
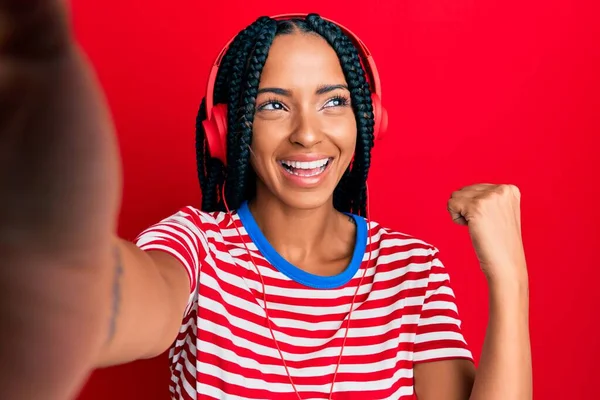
263,146
344,135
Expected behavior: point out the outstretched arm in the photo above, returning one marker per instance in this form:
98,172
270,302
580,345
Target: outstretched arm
72,296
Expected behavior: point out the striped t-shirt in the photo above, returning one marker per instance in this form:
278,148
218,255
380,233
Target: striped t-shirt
404,313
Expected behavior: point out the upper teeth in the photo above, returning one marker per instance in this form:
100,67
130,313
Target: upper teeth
306,165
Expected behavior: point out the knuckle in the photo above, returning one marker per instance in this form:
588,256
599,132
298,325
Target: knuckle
501,190
515,190
508,191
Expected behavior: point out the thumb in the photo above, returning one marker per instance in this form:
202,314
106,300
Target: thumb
33,29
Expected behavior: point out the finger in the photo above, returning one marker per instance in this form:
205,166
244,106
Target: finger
472,190
481,187
457,202
456,209
461,202
33,29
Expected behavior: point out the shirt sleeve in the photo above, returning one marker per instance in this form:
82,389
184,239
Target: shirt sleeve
439,335
179,235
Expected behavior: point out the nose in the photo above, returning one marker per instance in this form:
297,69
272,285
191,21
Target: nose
306,131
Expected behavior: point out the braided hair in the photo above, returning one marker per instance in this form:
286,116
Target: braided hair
237,85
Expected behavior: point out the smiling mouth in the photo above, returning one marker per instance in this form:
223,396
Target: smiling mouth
306,168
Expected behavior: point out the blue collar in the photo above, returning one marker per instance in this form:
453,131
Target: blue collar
295,273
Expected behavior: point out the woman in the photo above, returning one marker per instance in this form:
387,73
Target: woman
291,294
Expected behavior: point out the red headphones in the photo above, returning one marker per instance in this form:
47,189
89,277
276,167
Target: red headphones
215,125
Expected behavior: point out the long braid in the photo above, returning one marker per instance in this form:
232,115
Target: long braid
239,184
237,85
355,186
341,195
212,172
239,64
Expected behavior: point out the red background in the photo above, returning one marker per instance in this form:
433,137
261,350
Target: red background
477,92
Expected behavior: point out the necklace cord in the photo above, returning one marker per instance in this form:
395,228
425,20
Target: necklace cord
268,318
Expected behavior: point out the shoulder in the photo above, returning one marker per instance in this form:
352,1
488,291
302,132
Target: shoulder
413,263
190,221
201,218
404,257
391,241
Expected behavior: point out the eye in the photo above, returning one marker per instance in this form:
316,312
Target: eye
337,101
271,105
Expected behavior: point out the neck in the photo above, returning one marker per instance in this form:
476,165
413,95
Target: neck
297,234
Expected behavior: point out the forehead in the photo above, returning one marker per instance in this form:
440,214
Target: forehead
301,60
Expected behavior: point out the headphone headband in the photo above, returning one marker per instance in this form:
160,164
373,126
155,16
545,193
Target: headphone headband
363,51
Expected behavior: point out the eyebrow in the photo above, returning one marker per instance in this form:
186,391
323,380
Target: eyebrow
322,89
330,88
275,90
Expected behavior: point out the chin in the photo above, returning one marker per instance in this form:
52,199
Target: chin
308,200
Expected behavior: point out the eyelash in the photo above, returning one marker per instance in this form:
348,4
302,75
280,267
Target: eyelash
343,100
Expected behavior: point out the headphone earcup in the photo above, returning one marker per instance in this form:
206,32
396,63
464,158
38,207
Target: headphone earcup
380,116
215,131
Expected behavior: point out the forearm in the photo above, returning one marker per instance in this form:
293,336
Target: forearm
505,370
147,301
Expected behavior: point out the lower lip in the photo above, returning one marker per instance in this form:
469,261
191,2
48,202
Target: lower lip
306,181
